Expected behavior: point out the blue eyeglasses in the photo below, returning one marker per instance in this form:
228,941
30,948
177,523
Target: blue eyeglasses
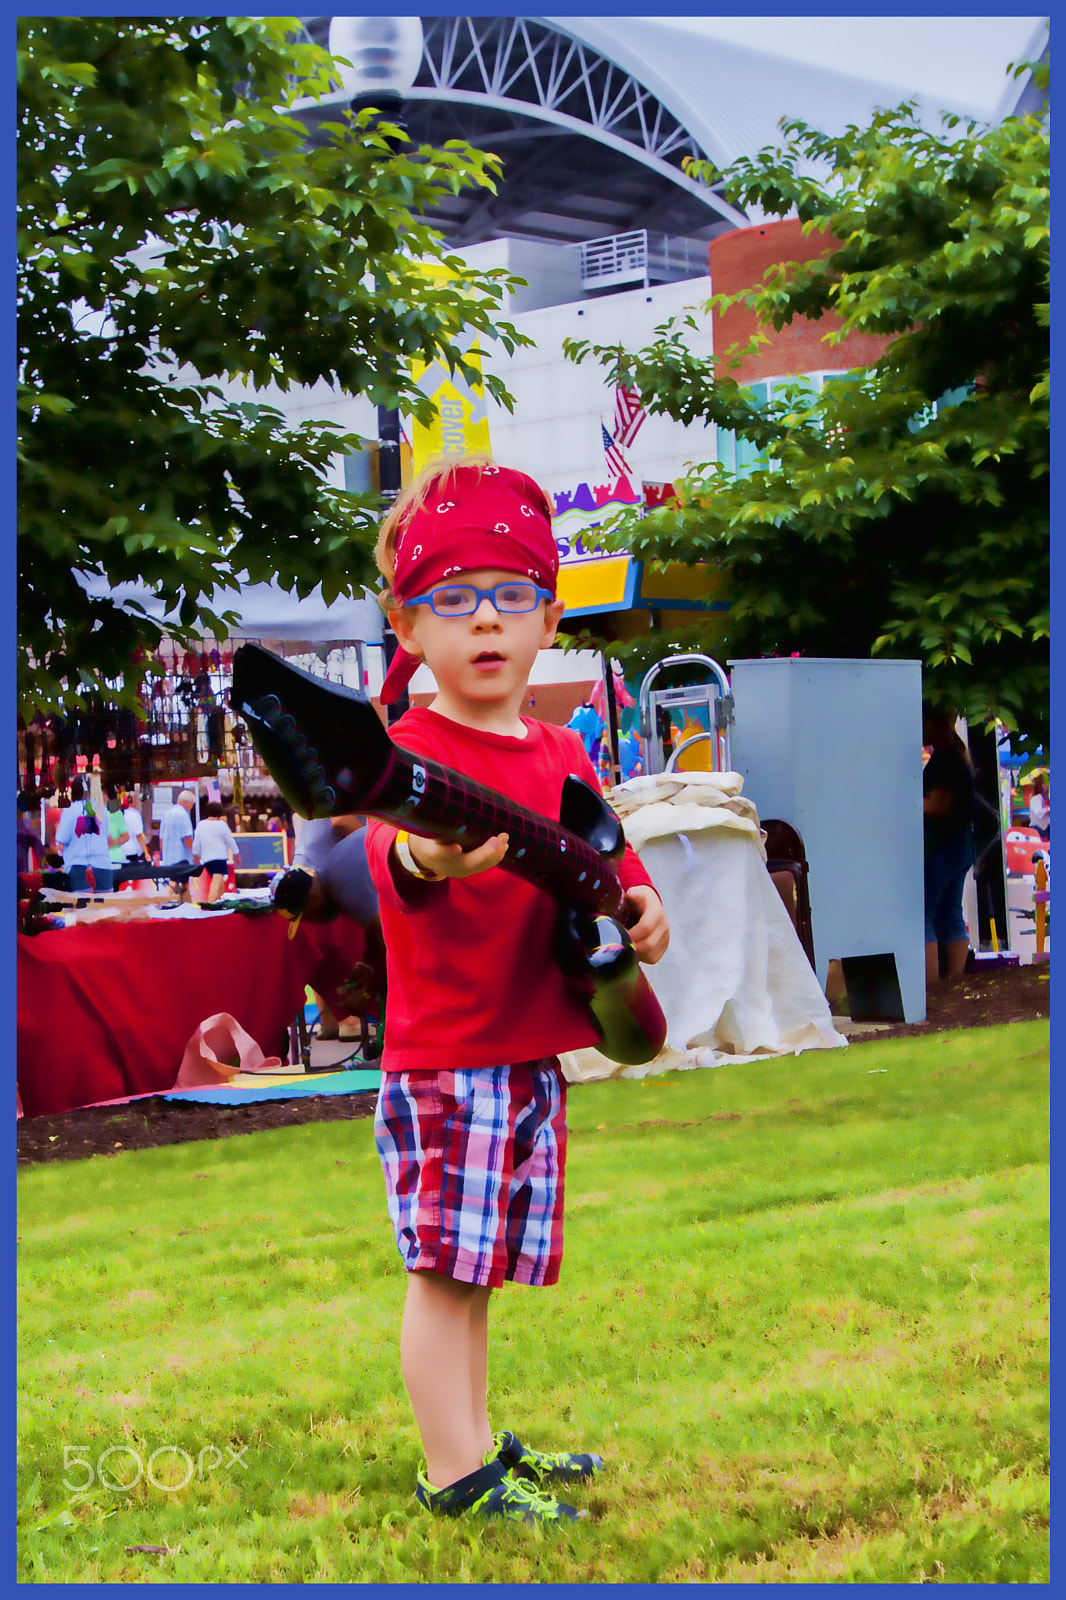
463,599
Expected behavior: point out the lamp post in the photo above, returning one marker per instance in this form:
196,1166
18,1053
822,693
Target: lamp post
384,55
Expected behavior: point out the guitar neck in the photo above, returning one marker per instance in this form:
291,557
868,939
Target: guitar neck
421,795
329,753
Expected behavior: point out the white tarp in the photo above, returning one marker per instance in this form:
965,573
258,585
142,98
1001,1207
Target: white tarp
266,611
735,984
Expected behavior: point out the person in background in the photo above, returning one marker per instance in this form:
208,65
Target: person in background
1040,808
947,808
136,842
212,845
175,831
175,838
280,819
231,811
27,837
57,804
333,849
81,840
117,833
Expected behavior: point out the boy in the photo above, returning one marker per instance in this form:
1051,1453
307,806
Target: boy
470,1121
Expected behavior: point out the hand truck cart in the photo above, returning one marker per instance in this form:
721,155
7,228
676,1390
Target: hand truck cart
713,698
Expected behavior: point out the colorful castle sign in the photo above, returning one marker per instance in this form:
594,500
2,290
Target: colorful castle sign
592,579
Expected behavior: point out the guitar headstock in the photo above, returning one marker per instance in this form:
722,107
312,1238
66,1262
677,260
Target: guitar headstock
321,743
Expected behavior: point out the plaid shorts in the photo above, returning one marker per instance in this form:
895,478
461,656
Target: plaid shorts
473,1164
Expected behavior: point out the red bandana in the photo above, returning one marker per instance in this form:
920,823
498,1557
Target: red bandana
478,517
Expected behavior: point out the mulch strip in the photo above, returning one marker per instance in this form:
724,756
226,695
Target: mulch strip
978,1000
1007,994
147,1124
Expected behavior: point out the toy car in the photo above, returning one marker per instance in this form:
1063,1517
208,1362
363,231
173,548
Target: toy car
1022,846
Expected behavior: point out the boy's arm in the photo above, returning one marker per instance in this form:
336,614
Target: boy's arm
651,931
443,860
405,890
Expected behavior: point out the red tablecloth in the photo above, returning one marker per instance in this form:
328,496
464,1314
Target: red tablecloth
107,1011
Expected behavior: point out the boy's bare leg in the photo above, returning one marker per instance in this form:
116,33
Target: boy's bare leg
443,1354
479,1367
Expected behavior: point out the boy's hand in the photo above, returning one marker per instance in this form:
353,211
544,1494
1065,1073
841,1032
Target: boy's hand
452,861
651,933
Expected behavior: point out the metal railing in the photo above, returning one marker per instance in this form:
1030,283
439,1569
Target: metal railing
640,257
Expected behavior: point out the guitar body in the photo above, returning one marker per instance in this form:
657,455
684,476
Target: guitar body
596,954
328,752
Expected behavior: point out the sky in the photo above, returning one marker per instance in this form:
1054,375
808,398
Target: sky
964,56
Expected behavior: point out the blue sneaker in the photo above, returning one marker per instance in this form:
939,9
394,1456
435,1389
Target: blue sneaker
493,1491
545,1466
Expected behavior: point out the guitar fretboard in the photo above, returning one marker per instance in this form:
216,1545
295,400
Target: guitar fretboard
425,797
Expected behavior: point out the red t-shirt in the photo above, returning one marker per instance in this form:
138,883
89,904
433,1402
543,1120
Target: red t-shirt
472,979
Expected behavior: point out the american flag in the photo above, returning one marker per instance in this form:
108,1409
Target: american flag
628,414
615,459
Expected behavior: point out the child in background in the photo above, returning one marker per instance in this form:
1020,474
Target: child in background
212,845
471,1115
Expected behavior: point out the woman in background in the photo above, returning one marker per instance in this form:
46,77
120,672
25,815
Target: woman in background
947,808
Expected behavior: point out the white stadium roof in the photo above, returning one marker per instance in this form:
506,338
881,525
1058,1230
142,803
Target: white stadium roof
732,98
593,117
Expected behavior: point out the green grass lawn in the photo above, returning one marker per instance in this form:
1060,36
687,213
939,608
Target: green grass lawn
803,1316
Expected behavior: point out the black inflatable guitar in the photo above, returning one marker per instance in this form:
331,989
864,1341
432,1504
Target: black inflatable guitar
328,752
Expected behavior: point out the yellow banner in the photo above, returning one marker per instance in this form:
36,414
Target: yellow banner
461,423
601,585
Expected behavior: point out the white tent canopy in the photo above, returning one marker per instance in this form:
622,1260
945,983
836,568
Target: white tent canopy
265,611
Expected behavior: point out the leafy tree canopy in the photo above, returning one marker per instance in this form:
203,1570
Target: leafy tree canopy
177,232
903,510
